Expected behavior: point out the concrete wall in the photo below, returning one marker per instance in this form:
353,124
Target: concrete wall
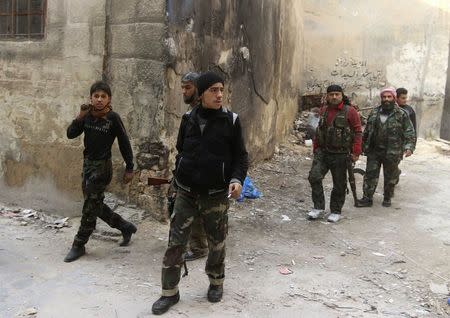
42,84
366,45
256,45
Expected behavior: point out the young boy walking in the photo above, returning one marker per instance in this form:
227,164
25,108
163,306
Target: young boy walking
101,126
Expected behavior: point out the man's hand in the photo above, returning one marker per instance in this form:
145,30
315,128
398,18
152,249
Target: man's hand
408,153
355,157
235,190
84,110
128,176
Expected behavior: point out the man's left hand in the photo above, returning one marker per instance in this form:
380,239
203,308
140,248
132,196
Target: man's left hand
128,176
408,153
235,190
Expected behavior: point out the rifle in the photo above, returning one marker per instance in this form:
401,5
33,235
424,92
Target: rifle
156,181
351,178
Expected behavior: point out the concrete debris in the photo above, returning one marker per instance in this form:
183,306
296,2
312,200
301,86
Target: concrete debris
283,270
26,216
378,254
28,312
439,288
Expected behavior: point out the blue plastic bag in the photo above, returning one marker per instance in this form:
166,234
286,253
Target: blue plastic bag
249,190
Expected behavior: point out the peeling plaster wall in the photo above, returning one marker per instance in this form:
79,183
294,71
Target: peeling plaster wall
42,84
256,45
365,46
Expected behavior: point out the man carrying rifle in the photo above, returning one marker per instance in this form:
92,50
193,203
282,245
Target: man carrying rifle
338,139
198,244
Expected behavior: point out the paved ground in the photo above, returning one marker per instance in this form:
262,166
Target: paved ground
377,262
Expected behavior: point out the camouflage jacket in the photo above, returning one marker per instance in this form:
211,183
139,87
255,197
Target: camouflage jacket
400,133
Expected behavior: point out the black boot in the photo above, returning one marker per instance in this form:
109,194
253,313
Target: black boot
164,303
386,202
215,293
365,202
127,230
75,253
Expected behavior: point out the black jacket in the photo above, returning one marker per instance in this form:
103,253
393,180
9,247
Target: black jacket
211,150
99,135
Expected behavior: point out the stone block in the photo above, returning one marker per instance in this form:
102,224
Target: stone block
149,40
151,10
150,71
123,11
123,41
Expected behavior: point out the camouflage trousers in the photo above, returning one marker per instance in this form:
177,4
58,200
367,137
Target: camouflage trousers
391,173
198,242
97,174
337,164
212,210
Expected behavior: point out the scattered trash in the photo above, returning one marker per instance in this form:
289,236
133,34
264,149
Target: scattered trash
318,256
343,254
283,270
285,218
308,142
293,262
249,190
378,254
439,288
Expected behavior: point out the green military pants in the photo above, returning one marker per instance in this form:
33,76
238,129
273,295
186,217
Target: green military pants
391,173
337,164
212,210
198,243
97,174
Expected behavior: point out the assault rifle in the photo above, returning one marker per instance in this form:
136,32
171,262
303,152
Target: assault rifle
351,178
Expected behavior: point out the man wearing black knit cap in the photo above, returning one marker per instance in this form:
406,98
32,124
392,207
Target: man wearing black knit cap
338,137
211,166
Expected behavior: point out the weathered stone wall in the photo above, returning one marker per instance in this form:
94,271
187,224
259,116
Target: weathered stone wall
445,120
256,45
366,45
141,47
43,82
135,68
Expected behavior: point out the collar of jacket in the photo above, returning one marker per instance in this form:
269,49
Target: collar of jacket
194,113
339,107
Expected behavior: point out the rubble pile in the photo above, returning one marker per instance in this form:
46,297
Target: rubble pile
27,216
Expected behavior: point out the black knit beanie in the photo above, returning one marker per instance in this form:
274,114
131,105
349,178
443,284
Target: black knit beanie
334,88
206,80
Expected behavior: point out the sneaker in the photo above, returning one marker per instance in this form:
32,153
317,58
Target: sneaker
314,214
386,202
365,202
334,217
215,293
164,303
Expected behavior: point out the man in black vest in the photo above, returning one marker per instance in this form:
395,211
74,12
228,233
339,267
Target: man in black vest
337,140
211,166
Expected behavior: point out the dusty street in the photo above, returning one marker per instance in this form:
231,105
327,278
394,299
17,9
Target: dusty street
377,262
